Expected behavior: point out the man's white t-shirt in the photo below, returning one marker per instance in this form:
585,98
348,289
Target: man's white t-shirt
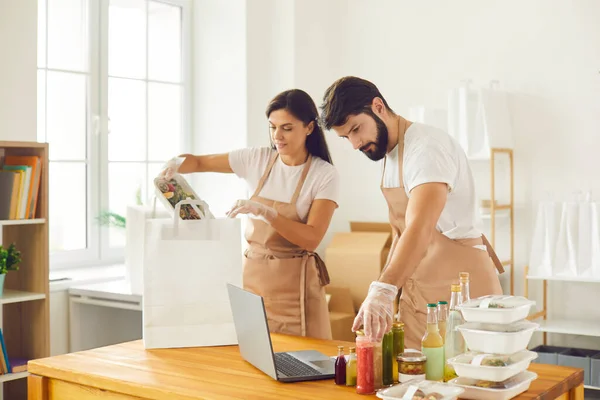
431,155
322,181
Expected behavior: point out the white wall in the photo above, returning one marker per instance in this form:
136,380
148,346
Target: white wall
219,82
548,55
18,70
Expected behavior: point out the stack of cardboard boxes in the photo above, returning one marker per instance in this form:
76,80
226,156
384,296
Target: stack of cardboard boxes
354,259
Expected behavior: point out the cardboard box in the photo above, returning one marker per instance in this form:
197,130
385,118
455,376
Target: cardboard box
341,313
354,259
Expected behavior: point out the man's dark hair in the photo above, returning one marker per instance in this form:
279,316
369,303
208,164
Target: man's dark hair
346,97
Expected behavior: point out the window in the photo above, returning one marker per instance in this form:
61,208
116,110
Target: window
114,104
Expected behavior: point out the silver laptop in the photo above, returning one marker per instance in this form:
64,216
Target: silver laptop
250,320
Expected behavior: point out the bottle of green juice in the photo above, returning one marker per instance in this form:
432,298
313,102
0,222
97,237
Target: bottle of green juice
432,346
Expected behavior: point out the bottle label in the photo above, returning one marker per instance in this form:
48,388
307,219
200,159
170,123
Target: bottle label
405,378
434,367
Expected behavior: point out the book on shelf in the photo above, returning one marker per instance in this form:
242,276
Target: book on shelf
19,187
4,362
13,365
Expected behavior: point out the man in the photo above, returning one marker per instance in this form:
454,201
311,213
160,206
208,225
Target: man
429,189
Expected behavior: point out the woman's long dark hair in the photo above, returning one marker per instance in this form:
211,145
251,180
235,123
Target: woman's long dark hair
298,103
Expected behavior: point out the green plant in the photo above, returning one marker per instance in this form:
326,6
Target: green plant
111,219
9,259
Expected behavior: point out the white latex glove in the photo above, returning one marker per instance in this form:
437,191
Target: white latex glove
171,167
254,208
376,312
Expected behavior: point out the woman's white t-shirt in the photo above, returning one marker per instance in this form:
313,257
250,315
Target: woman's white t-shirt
431,155
322,181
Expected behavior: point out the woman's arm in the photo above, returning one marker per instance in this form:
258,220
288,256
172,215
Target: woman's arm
309,235
206,163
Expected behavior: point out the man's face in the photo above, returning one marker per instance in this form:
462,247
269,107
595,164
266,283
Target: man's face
367,133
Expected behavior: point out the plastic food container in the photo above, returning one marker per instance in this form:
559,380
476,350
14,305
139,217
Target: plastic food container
422,390
411,366
476,389
490,367
496,309
170,192
498,339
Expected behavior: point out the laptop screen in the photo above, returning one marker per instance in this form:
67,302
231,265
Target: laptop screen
250,320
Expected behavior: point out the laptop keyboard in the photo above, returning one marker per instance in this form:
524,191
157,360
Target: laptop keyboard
291,366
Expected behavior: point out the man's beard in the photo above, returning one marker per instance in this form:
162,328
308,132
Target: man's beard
381,142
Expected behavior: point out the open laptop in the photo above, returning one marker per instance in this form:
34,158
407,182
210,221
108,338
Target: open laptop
252,329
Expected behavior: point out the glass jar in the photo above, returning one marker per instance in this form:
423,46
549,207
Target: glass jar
388,358
351,368
365,374
378,364
411,365
398,334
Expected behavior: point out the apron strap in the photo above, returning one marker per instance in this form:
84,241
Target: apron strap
321,269
383,173
400,147
263,179
301,181
493,255
303,294
401,159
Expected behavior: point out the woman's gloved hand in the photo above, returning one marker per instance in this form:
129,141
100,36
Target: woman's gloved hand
376,312
171,167
252,207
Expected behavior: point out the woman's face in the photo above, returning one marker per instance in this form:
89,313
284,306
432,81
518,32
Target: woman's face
288,133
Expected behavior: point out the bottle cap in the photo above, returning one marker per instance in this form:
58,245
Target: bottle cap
360,332
352,349
340,347
398,325
442,302
432,305
455,288
464,276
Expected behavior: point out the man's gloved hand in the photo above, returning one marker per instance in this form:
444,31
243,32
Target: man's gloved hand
376,312
252,207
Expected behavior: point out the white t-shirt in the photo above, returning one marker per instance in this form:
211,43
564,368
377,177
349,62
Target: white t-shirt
431,155
322,180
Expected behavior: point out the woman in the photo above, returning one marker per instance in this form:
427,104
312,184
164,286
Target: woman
295,190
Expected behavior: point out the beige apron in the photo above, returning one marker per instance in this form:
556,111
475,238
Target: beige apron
290,279
444,260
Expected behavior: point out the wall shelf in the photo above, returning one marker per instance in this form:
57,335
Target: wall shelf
563,279
495,211
13,376
571,327
18,296
560,326
8,222
24,305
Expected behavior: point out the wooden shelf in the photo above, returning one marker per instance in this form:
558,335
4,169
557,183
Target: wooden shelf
18,296
8,222
501,211
504,214
24,305
13,376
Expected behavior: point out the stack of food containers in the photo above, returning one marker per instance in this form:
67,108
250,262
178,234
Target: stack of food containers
497,334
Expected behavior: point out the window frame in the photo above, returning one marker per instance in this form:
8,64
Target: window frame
98,251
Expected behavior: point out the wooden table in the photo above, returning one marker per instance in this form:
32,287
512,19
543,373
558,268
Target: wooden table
127,371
